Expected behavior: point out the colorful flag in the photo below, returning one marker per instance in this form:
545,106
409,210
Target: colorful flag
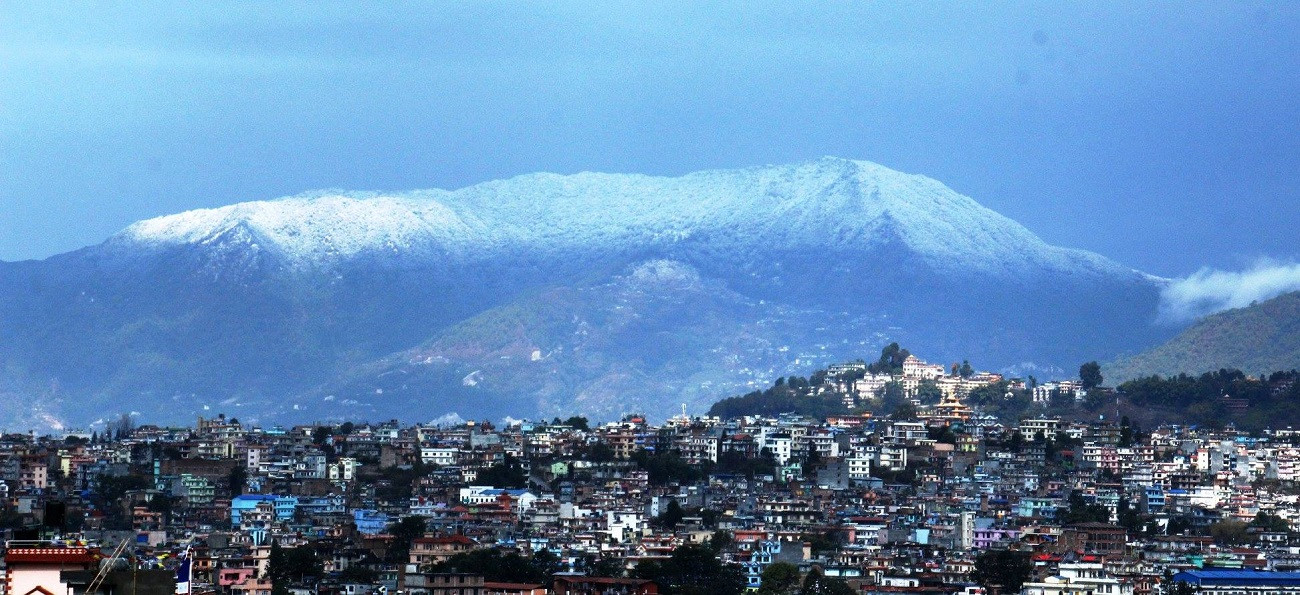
183,574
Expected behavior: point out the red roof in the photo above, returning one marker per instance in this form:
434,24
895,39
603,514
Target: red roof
511,586
601,580
452,540
50,555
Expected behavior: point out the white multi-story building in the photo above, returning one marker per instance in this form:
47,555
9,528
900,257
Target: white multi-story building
1034,427
872,384
1072,389
1085,578
859,466
344,469
904,432
886,457
625,526
914,367
780,445
441,457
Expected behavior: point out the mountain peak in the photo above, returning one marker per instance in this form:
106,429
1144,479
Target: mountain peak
604,289
829,204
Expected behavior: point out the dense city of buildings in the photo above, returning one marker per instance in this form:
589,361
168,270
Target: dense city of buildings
940,499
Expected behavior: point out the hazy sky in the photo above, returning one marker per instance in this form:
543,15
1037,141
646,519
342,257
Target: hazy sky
1166,136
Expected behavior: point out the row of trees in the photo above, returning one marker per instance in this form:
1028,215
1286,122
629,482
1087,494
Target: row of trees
1199,399
783,578
1009,570
690,570
494,565
792,395
302,565
665,467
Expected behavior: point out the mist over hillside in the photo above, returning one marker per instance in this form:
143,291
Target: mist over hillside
1257,339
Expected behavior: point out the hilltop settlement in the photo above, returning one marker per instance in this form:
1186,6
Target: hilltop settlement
895,476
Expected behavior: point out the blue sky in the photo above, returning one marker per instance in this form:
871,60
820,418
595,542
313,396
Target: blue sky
1166,136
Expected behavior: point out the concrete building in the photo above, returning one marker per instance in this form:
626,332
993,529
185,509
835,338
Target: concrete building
1240,582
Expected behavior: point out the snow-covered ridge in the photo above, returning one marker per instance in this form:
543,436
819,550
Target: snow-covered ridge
311,228
826,204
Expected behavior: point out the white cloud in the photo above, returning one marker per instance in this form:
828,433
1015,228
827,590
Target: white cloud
450,419
1208,290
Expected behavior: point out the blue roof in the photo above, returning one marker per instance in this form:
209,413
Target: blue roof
1238,577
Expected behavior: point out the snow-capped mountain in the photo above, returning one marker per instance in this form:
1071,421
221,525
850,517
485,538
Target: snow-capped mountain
318,296
829,203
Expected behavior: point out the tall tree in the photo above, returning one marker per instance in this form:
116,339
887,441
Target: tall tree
507,474
496,565
891,360
817,583
1090,375
236,480
1125,433
1270,522
276,570
693,570
928,392
404,532
121,428
1229,532
606,567
301,565
905,411
720,540
1080,511
779,578
672,515
1003,568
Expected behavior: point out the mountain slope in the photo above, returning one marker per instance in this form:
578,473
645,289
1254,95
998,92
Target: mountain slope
243,306
651,337
1261,338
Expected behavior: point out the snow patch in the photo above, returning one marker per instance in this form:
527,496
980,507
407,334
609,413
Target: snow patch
448,419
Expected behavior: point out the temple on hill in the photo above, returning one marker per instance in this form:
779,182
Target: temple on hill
948,411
